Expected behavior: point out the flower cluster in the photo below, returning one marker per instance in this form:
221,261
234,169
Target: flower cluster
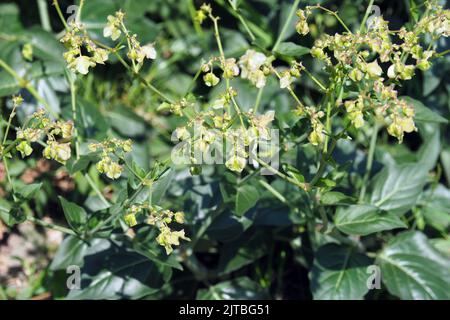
136,53
213,137
58,133
288,76
76,39
161,219
111,152
229,68
359,56
255,67
201,14
302,25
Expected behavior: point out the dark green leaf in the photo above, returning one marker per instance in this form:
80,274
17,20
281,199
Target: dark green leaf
365,219
339,273
424,114
237,289
246,198
76,216
291,49
397,187
412,269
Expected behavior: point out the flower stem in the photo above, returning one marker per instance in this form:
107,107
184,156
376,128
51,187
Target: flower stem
369,163
96,190
317,81
43,15
242,20
286,24
51,225
5,163
335,15
61,16
368,11
73,90
27,85
79,10
143,80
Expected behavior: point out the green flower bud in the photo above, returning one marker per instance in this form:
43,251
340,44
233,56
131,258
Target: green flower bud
179,217
24,148
236,163
210,79
27,52
373,69
130,219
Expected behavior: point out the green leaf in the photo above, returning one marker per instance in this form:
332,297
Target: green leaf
339,273
126,122
237,289
73,166
365,219
28,191
11,215
428,153
8,84
435,207
424,114
412,269
246,198
445,161
72,251
243,251
397,187
76,216
291,49
334,197
160,187
116,272
90,122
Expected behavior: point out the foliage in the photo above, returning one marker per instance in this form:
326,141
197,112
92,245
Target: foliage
133,102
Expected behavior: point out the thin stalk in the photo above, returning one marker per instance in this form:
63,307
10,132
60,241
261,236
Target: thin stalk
323,164
269,188
441,54
335,15
222,57
368,11
43,15
286,24
8,125
79,10
242,20
327,127
282,175
73,98
193,81
27,85
317,81
369,163
5,164
143,80
323,216
61,16
51,225
258,100
96,190
292,93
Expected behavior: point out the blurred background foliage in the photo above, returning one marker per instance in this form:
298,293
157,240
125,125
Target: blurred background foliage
258,251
